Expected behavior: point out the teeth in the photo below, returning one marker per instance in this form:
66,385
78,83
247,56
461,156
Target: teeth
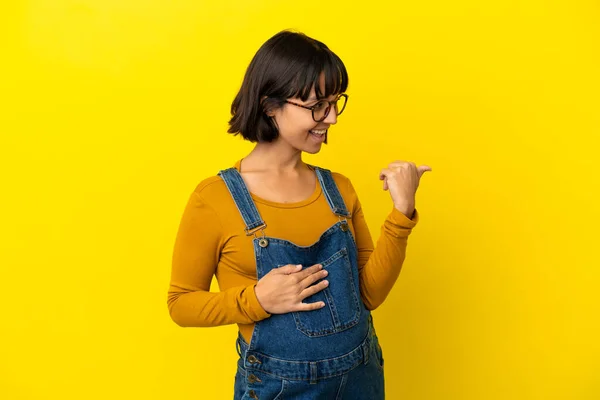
319,132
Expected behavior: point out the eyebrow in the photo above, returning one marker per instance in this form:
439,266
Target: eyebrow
314,99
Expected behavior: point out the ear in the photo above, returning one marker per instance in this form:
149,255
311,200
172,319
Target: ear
270,112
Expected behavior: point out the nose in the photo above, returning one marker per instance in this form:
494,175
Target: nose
331,117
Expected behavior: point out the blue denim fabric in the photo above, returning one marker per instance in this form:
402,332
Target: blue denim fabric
329,353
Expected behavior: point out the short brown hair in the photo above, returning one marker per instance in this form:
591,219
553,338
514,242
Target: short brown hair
289,64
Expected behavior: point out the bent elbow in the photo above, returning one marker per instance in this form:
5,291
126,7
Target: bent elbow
175,316
370,304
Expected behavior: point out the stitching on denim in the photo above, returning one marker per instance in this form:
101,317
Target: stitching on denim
248,210
355,363
332,193
341,387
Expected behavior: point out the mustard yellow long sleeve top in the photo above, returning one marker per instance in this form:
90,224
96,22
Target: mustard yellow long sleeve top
211,242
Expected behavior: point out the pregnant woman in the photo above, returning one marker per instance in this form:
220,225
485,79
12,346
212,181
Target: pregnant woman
288,241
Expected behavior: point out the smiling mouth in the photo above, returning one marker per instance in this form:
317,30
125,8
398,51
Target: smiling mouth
318,132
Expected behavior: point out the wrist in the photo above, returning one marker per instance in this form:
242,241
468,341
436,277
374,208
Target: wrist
258,297
407,210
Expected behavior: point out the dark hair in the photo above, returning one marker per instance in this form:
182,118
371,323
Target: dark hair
289,64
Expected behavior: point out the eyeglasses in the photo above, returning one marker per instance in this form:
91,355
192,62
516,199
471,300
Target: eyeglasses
320,111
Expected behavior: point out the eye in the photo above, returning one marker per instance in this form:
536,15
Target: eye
320,105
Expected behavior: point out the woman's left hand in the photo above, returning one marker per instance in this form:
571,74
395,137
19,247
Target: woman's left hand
402,179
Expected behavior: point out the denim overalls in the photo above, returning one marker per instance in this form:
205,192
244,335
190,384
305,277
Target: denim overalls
329,353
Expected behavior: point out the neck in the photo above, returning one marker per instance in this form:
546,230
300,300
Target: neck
271,157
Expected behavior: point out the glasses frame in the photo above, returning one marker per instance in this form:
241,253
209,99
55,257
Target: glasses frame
329,107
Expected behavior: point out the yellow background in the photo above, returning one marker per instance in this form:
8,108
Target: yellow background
112,111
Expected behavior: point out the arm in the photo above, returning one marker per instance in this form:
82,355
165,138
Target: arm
379,267
196,253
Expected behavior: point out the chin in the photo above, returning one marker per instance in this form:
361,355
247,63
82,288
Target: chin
312,151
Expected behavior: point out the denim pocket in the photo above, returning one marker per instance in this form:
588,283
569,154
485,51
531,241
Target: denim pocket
342,307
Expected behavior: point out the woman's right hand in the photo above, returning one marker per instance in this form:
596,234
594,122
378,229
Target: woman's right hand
282,289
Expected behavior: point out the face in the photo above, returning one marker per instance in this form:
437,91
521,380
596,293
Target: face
297,127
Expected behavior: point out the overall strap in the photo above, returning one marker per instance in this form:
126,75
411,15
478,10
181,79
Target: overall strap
332,194
241,196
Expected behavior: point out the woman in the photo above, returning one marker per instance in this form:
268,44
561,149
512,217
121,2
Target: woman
288,241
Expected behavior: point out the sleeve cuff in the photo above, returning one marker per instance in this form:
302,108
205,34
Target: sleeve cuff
401,220
258,311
